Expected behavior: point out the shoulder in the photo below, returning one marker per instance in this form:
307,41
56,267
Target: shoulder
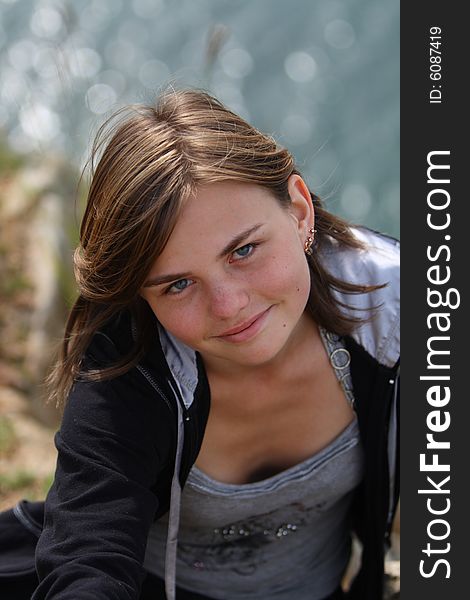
127,406
377,263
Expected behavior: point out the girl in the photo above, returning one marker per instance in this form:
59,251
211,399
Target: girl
230,376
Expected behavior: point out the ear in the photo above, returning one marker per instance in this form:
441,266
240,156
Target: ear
301,206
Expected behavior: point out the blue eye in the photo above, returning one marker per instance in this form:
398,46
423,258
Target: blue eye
244,251
178,286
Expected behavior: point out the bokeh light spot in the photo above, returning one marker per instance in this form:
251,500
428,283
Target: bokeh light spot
100,98
237,63
13,88
39,122
300,66
84,62
46,22
21,55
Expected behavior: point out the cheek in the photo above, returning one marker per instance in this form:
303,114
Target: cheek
286,276
184,322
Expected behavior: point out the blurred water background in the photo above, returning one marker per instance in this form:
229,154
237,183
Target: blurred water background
321,76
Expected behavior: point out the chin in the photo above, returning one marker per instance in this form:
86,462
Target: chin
258,353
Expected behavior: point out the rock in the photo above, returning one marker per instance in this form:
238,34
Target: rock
36,279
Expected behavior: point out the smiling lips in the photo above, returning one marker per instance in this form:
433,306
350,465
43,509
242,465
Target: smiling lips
246,330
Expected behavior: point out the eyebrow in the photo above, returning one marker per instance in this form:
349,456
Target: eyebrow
238,239
228,249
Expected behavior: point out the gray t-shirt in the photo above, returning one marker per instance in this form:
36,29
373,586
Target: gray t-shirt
285,537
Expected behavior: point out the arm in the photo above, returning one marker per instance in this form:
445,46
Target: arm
113,447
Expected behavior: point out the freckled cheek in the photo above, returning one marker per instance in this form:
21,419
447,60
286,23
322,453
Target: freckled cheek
185,323
285,277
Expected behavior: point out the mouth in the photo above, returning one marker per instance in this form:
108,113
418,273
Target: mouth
247,329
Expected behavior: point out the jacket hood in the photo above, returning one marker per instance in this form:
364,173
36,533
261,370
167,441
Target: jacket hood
378,263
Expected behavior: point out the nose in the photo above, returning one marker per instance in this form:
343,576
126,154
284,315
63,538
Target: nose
228,298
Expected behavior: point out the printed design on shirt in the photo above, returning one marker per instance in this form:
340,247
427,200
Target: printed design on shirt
237,545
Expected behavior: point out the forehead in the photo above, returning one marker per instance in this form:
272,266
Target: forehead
216,213
223,205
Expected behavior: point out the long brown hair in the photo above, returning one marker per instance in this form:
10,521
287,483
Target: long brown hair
146,163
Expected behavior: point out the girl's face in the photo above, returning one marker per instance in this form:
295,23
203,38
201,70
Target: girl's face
233,280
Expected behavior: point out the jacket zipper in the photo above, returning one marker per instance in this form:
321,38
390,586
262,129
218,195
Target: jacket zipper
186,419
147,376
178,398
156,387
